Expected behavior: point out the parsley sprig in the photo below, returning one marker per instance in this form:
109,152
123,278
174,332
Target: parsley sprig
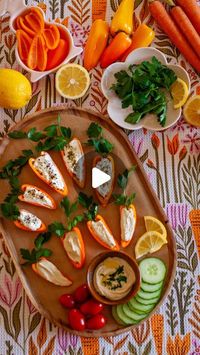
122,181
13,167
36,253
90,206
96,140
142,88
53,137
58,228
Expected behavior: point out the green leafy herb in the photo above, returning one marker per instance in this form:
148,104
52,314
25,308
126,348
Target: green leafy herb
94,130
10,210
57,228
13,167
122,179
124,200
34,255
87,202
100,144
69,209
73,223
142,88
41,239
17,134
35,135
114,280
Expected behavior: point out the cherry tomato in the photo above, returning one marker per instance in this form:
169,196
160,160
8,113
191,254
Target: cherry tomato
67,300
82,293
76,319
91,307
96,322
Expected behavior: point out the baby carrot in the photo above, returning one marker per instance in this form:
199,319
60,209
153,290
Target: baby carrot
186,27
192,10
166,23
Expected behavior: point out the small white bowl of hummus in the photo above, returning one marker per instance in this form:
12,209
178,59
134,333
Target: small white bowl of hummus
113,277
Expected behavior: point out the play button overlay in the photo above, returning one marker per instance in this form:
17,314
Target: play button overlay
99,177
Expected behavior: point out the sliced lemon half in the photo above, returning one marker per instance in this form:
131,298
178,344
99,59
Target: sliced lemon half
191,111
153,224
72,81
179,91
149,242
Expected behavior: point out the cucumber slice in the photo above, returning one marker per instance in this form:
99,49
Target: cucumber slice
151,288
122,316
152,270
152,301
115,316
149,295
131,314
134,304
136,310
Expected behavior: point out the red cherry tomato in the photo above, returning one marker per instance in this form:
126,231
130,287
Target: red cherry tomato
67,300
91,307
96,322
82,293
76,319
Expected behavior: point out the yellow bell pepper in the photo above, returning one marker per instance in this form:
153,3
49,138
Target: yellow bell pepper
123,18
142,37
96,43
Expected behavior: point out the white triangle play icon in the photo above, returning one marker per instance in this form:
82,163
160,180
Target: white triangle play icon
99,178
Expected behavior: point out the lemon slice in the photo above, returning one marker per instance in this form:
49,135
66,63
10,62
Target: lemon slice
179,92
153,224
191,110
72,81
149,242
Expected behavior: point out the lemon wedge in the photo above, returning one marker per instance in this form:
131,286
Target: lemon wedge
153,224
191,111
72,81
179,92
149,242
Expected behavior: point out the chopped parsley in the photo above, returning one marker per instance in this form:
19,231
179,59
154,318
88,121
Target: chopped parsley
114,280
96,140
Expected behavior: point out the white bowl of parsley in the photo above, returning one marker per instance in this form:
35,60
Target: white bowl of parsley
138,90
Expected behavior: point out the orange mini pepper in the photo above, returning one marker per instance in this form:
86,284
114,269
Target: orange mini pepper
41,192
142,37
79,237
21,226
22,25
51,36
35,20
56,56
23,44
97,237
117,47
125,243
96,43
104,200
37,57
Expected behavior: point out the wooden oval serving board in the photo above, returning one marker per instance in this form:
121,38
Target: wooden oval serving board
43,294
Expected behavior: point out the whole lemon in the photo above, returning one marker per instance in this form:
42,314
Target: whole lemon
15,89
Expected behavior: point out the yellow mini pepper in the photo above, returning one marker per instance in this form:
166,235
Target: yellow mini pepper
123,18
96,43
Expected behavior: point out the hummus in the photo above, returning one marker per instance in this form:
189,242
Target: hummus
72,246
49,272
29,220
103,233
127,222
114,278
48,169
105,165
74,159
34,195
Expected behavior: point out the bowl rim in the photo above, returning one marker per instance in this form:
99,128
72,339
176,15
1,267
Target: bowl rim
101,257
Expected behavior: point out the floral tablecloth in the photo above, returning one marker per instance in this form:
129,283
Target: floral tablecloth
172,162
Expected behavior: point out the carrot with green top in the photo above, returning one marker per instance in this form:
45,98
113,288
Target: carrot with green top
186,27
192,10
166,23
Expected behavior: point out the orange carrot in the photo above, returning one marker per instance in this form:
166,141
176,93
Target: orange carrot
187,28
166,23
192,10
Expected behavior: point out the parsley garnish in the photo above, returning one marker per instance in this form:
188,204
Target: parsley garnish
141,87
53,137
88,203
115,279
96,140
69,209
122,181
36,253
13,167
